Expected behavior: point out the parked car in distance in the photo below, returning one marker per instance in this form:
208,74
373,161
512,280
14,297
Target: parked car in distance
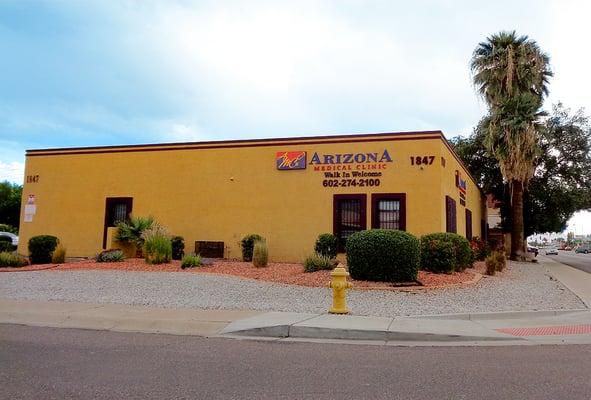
551,250
7,235
8,241
584,248
532,249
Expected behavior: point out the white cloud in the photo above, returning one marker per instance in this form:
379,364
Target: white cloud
12,172
180,132
580,223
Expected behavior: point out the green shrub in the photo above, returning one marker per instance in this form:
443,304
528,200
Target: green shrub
191,260
131,231
437,256
383,255
114,255
480,248
462,251
41,248
12,260
260,254
157,247
317,262
178,247
495,262
59,255
326,245
8,228
6,244
247,245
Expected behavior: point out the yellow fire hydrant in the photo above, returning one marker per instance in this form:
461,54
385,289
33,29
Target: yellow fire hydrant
339,286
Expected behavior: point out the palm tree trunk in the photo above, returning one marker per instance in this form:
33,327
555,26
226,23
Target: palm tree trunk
517,239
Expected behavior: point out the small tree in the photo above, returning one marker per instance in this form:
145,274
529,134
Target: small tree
10,205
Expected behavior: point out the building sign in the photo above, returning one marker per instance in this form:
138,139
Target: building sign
461,185
350,161
339,169
30,208
286,160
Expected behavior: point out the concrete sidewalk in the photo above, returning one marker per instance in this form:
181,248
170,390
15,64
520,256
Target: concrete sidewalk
509,328
504,328
577,281
119,317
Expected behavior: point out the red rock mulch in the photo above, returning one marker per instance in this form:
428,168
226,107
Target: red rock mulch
276,272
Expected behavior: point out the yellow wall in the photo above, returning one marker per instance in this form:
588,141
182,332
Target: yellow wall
222,194
475,200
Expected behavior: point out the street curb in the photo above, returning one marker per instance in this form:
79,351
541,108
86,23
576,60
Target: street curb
303,332
499,315
29,268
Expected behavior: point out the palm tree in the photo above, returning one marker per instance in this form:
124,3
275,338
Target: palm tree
511,73
507,64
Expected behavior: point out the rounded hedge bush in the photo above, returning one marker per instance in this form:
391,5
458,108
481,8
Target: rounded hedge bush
438,255
326,245
383,255
464,257
41,248
247,245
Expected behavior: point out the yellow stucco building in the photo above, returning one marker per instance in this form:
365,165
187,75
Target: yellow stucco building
288,190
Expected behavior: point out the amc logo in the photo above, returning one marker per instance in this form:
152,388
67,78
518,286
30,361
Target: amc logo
290,160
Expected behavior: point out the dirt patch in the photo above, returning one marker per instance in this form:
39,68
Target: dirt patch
286,273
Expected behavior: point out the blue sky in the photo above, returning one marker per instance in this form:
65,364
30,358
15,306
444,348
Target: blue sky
77,73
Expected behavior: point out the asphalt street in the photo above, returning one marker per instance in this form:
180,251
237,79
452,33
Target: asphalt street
576,260
50,363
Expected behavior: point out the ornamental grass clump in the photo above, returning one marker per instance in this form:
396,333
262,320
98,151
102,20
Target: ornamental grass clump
191,260
496,262
59,255
383,255
260,254
157,248
247,245
317,262
12,260
113,255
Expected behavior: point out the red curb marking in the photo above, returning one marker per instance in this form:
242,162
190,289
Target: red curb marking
548,330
